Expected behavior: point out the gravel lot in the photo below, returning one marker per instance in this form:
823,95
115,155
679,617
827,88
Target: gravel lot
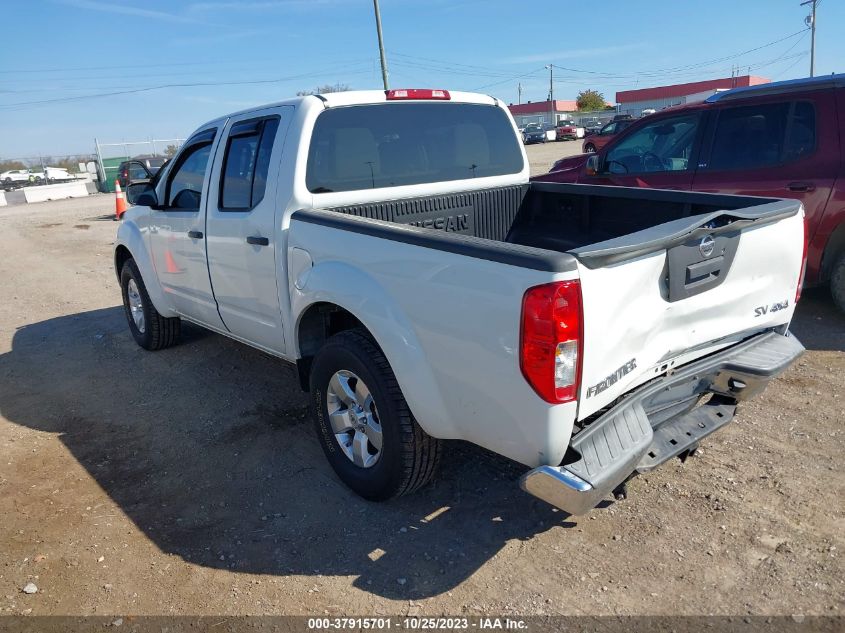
189,481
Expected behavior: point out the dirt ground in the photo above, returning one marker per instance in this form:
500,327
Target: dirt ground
189,481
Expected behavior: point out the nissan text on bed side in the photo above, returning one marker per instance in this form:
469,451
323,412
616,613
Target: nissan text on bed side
391,245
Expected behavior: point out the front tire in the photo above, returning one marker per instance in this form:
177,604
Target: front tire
590,148
364,425
149,329
837,283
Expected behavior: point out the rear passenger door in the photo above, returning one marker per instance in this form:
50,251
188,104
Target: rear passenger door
243,226
773,147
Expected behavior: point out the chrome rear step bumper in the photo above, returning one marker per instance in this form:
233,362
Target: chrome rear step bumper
657,422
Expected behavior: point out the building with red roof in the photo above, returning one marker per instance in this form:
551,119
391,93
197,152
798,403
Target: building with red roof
635,101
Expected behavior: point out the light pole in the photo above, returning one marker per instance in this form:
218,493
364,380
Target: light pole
551,94
811,22
381,45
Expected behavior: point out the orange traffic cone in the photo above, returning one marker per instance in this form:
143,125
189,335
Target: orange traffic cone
120,205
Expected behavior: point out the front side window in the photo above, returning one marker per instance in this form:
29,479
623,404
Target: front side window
755,136
608,129
394,144
185,186
661,146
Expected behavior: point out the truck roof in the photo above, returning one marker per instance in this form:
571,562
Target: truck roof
357,97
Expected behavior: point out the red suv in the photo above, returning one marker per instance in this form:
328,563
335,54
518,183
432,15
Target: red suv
778,140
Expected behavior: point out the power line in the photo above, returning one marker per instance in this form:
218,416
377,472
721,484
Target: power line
665,72
172,85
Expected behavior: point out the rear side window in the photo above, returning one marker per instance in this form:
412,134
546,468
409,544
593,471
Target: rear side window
246,164
394,144
749,137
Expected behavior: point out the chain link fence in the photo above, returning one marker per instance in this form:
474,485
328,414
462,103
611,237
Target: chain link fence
108,156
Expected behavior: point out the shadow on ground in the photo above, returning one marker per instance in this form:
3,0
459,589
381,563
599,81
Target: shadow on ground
817,323
208,447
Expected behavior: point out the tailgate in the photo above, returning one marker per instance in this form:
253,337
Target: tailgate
659,298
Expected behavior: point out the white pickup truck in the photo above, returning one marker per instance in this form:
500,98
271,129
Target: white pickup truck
391,245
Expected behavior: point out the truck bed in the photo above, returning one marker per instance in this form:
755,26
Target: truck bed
564,218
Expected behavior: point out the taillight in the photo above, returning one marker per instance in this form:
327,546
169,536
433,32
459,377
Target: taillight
551,340
803,264
417,93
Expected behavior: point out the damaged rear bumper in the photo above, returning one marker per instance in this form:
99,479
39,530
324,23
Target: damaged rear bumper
659,421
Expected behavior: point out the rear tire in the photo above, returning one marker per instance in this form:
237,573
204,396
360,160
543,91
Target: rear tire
837,283
149,329
407,456
590,148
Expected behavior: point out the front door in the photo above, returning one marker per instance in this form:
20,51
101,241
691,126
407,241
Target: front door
177,240
660,154
243,227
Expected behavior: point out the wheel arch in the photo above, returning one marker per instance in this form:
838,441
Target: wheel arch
131,245
317,323
834,248
340,297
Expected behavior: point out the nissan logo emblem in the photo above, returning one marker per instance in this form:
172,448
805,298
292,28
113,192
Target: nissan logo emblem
707,246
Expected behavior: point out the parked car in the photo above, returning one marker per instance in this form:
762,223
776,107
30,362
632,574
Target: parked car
139,169
604,135
20,178
782,139
15,175
389,243
568,130
538,133
592,126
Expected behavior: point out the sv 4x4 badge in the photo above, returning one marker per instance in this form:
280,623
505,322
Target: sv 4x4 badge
775,307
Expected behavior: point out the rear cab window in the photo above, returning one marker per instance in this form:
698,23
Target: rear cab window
393,144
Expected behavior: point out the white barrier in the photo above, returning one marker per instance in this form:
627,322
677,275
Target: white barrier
56,192
2,199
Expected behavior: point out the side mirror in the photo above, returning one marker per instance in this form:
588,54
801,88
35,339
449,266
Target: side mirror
141,194
593,165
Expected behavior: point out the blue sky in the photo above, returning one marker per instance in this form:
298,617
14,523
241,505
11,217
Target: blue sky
56,56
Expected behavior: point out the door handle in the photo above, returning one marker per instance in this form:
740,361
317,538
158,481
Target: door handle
197,235
257,241
801,186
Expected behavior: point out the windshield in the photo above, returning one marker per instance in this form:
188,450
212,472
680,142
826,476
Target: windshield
566,123
394,144
533,128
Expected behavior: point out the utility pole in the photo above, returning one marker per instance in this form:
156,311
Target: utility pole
810,21
519,93
381,45
551,94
